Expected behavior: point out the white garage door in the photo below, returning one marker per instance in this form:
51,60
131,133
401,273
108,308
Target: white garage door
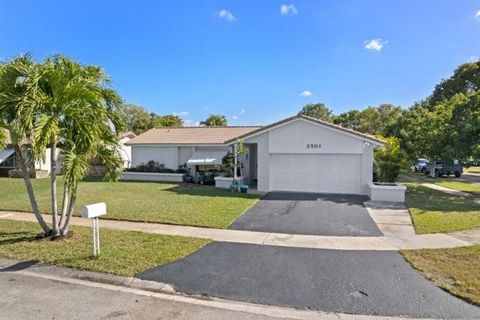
335,173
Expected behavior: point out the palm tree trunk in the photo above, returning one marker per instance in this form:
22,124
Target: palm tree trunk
64,205
71,206
53,187
31,195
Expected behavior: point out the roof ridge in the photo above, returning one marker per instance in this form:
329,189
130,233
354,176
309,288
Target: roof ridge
210,127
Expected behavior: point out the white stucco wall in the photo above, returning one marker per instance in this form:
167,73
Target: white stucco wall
166,155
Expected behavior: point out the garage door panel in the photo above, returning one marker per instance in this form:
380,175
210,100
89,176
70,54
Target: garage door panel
316,173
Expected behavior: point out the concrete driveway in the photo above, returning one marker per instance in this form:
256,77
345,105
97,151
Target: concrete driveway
358,282
309,213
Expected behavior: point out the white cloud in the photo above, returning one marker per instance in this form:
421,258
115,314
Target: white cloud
243,110
234,117
288,9
181,114
191,123
226,15
375,44
306,93
477,15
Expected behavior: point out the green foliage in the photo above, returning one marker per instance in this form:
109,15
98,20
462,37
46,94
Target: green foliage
215,120
138,119
465,79
389,160
151,166
318,111
377,120
168,121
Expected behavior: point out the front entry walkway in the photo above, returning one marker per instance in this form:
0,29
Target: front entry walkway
384,243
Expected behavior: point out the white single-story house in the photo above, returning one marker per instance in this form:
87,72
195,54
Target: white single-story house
299,154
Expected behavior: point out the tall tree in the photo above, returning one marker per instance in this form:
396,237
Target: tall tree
373,120
318,111
168,120
465,79
137,119
215,120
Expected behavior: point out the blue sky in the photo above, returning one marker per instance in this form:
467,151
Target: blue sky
252,60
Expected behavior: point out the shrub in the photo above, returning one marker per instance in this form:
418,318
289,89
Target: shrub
151,166
389,160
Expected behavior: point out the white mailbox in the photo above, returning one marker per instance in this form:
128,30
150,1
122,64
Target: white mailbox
94,210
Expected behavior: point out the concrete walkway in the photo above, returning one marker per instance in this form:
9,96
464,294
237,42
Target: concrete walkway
391,241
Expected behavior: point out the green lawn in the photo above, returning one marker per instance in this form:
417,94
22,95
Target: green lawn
435,211
173,203
455,270
460,186
122,252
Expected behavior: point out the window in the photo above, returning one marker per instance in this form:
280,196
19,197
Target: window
9,162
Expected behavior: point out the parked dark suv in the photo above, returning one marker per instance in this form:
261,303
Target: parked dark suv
443,169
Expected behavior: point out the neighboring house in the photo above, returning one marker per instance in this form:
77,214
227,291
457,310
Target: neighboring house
8,159
125,151
296,154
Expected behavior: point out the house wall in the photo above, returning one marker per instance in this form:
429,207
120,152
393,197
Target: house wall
166,155
263,160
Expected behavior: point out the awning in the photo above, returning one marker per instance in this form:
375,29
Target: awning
5,153
205,157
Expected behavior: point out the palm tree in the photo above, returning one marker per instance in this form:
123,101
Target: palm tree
82,116
68,107
18,105
215,120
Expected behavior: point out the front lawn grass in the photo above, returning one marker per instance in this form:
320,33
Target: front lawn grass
173,203
460,186
124,253
438,212
455,270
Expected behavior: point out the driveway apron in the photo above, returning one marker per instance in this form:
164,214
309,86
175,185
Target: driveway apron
358,282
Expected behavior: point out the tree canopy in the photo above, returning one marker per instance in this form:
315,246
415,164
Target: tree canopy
318,111
139,120
215,120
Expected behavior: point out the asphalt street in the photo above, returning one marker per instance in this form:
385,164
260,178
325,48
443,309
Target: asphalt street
24,297
358,282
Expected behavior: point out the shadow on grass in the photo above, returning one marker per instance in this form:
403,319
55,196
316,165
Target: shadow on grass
16,237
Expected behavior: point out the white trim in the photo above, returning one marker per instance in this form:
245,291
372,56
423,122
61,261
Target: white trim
216,145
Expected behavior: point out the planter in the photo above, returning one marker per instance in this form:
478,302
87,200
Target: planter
225,182
152,176
387,192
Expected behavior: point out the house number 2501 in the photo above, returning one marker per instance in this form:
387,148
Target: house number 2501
314,145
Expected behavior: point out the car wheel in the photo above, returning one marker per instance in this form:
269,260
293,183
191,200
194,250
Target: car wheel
458,174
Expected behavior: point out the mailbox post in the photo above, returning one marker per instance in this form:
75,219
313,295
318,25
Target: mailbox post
93,211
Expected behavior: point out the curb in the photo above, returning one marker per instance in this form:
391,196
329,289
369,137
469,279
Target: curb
12,265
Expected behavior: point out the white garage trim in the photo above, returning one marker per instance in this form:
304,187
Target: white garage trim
323,173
